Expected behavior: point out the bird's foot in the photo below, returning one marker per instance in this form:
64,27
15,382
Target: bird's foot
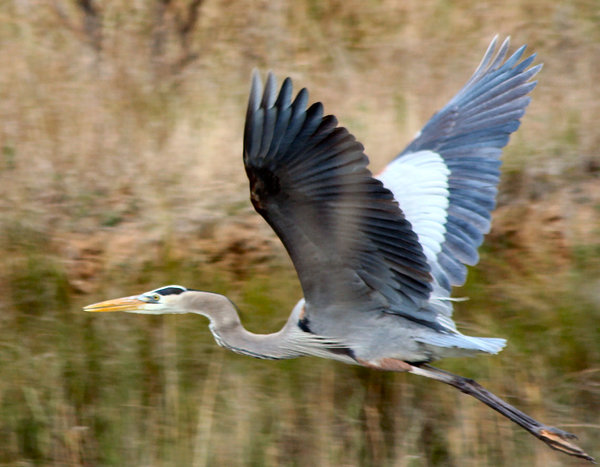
561,441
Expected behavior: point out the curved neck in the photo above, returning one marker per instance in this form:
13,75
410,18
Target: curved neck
228,331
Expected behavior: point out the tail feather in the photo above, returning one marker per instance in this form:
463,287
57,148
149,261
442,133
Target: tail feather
459,344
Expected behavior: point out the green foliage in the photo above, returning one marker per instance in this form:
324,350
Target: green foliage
117,388
38,284
9,155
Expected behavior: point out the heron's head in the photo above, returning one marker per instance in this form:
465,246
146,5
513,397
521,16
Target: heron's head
156,302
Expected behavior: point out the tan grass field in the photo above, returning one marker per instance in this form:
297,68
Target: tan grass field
120,170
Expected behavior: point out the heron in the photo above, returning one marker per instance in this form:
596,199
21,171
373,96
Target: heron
376,256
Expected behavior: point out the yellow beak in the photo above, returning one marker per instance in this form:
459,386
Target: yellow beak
118,304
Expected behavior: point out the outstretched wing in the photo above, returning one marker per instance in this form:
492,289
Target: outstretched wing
446,179
347,237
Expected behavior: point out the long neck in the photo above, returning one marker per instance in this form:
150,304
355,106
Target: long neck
228,331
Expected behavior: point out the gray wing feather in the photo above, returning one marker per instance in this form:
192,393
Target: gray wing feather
469,134
347,237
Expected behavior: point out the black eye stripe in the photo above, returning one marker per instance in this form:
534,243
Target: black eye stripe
170,290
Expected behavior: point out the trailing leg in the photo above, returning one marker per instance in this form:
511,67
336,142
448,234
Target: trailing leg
553,437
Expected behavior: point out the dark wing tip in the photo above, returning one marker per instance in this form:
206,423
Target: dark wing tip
250,134
255,91
285,94
270,91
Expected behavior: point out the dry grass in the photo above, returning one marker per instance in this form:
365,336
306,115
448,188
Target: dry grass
120,170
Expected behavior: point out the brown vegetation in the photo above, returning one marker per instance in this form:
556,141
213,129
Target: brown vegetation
120,170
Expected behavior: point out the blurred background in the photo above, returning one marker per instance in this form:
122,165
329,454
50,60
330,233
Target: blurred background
121,171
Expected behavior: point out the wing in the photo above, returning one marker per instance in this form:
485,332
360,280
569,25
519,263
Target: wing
446,179
349,242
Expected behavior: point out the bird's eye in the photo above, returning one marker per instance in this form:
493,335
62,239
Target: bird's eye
156,297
